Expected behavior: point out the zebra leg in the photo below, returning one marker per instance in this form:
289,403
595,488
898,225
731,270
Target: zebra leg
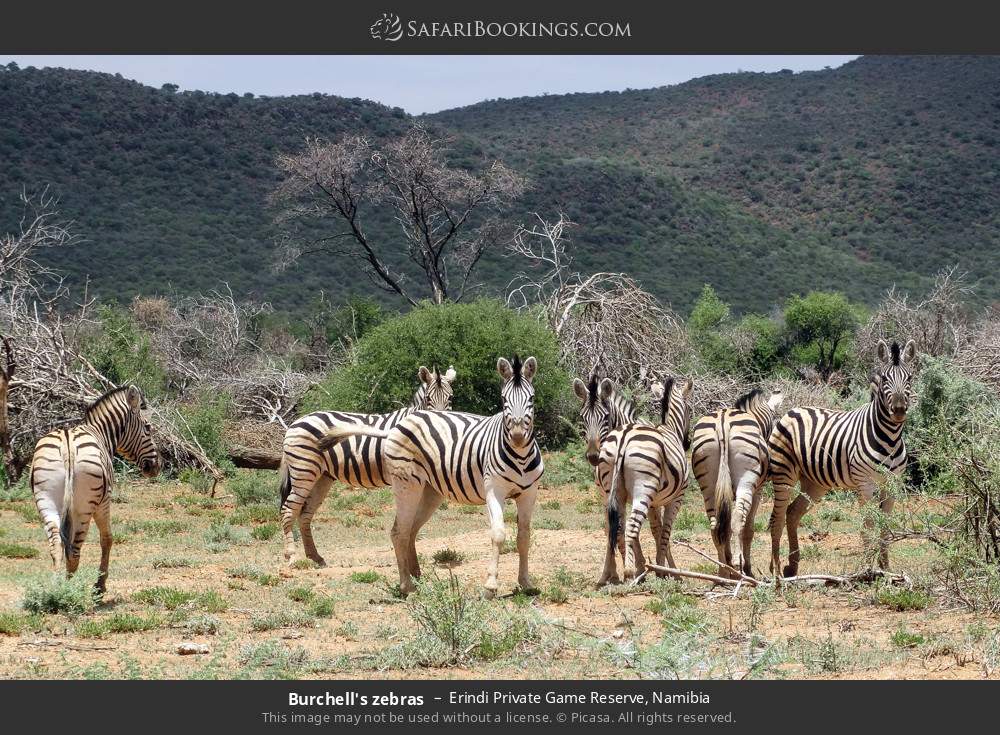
312,503
670,511
430,501
498,534
609,573
809,496
291,507
81,527
782,493
743,505
525,507
641,500
102,517
48,503
408,501
656,529
746,537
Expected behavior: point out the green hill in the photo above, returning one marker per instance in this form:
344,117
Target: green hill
879,172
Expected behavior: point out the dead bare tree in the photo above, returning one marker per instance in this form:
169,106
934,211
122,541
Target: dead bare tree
448,217
604,318
938,324
6,375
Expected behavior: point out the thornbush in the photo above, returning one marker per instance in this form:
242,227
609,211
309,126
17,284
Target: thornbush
382,375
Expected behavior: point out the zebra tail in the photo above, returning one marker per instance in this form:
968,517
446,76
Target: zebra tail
67,528
723,486
614,503
336,434
284,482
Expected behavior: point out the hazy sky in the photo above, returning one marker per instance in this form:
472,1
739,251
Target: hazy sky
423,83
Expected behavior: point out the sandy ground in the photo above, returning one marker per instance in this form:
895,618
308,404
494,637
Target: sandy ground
812,632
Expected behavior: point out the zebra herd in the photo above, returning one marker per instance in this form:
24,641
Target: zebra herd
429,453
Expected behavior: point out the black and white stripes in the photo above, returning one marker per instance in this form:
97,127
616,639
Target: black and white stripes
307,472
824,449
467,459
72,477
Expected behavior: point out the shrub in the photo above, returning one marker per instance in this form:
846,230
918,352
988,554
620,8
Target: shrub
820,326
17,551
469,336
369,577
253,487
204,420
265,532
55,593
120,350
12,623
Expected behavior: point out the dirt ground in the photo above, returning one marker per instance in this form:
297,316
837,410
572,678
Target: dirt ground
175,547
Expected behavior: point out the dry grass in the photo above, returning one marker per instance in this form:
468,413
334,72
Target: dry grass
229,591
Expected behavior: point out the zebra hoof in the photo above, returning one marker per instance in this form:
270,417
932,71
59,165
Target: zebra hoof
789,571
490,593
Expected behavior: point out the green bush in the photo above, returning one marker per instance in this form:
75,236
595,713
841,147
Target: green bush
123,352
204,422
55,593
820,326
383,374
253,487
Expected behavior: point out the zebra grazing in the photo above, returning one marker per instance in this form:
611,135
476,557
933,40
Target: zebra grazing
602,411
650,466
467,459
307,472
72,478
730,461
824,449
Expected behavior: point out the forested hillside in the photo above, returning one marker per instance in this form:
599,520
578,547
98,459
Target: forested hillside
879,172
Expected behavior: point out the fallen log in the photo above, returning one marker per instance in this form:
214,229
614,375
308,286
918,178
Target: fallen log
252,458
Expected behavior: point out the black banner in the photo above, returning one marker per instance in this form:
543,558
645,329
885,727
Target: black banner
446,26
451,706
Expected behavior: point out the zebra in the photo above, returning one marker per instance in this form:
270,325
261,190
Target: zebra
467,459
730,461
603,410
71,474
306,472
825,449
650,465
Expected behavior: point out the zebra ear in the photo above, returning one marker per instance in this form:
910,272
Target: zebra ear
450,375
580,389
909,351
504,368
687,389
656,388
424,374
882,351
607,388
529,368
133,397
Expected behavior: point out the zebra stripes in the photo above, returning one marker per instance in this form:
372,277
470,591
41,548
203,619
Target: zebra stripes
307,472
467,459
729,457
649,465
824,449
602,411
72,477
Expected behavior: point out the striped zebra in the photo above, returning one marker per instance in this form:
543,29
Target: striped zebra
650,465
824,449
603,410
307,472
729,458
72,478
466,459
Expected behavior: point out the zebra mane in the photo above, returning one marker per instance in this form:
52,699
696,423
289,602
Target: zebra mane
593,386
110,394
894,349
743,402
516,378
668,387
